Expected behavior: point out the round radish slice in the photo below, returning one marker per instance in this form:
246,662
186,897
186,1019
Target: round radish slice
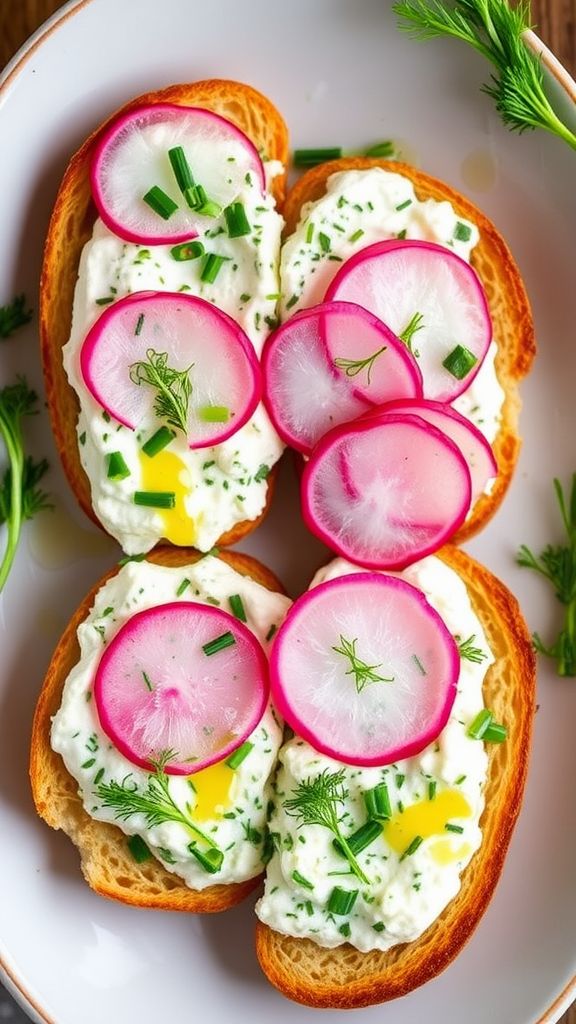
183,682
329,364
133,157
473,445
364,669
385,492
428,295
151,342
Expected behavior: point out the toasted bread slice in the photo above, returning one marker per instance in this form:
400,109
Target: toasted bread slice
507,299
106,862
343,977
71,227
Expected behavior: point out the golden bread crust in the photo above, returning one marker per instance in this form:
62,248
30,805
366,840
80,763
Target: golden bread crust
343,977
106,862
507,299
71,226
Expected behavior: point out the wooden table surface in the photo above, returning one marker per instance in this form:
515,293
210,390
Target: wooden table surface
554,20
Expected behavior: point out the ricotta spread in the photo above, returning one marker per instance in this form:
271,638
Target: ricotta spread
228,804
363,207
410,882
215,487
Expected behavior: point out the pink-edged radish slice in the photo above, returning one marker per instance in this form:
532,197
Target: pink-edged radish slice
183,678
385,492
132,158
428,291
327,365
471,442
364,669
120,358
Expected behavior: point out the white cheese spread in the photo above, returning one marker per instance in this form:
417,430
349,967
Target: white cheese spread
442,786
228,805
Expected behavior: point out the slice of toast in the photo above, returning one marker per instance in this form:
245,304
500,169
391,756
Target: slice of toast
507,299
106,862
343,977
71,227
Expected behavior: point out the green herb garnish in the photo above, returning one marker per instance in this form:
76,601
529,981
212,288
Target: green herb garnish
557,563
214,414
468,651
212,267
181,168
459,362
362,672
219,643
377,802
237,607
494,29
341,901
187,251
173,387
361,838
414,324
236,220
239,755
312,157
315,802
160,440
352,367
162,204
116,466
138,849
14,315
155,499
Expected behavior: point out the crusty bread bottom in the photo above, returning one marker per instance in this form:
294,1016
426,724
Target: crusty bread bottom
507,299
106,862
71,227
344,977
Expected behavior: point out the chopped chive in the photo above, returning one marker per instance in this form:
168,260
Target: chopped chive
309,908
237,607
105,301
158,441
459,362
414,845
462,232
341,900
245,297
381,149
99,776
239,755
300,880
147,681
214,414
211,861
432,789
82,438
357,234
138,849
401,234
261,473
311,157
344,930
478,727
292,301
116,466
88,764
377,802
187,251
131,558
181,168
139,324
453,828
161,203
361,838
309,233
219,643
198,200
183,586
271,631
155,499
402,206
400,780
236,220
324,240
495,733
459,780
419,664
379,926
212,266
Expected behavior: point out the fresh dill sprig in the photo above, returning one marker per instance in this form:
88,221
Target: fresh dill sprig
495,29
155,802
173,387
414,324
362,672
557,563
352,367
14,315
315,802
20,496
468,651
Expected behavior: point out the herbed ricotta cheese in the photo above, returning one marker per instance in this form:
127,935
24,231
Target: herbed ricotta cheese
229,805
441,786
363,207
220,486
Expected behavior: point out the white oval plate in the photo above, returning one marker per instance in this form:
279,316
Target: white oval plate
340,73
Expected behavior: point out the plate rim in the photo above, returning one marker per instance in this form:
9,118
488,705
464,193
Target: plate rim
8,975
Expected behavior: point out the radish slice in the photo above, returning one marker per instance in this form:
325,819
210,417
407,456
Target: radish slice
132,157
400,280
473,445
158,690
329,364
194,335
364,669
385,492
